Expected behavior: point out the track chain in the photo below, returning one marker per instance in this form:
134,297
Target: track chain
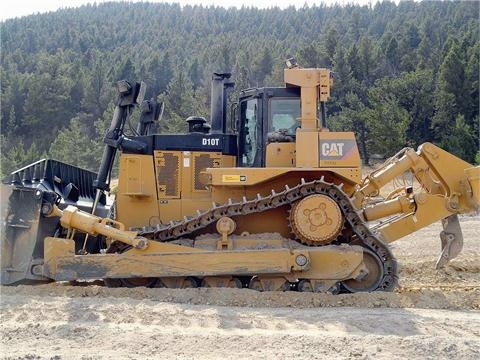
362,234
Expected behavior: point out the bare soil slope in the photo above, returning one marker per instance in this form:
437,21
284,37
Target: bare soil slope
433,314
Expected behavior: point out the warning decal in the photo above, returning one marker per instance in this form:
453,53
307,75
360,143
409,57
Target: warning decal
233,178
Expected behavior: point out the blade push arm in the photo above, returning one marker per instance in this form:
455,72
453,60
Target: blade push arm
73,219
449,186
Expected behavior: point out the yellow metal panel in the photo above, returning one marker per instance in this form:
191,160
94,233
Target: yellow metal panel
185,180
228,161
245,176
280,155
170,209
317,78
306,149
256,176
136,199
309,105
134,176
350,174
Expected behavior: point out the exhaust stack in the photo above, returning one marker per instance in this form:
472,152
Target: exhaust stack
218,105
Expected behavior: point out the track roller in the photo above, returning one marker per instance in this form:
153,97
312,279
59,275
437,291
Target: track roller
178,282
130,282
318,286
112,283
304,286
269,284
138,282
222,281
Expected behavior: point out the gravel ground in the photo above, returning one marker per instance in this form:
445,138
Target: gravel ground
433,314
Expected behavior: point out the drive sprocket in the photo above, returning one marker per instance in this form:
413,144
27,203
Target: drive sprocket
316,219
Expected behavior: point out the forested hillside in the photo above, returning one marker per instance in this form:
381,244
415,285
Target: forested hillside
405,74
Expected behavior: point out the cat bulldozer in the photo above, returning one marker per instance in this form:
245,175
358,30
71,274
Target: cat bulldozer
263,196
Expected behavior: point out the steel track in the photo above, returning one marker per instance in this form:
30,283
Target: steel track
362,235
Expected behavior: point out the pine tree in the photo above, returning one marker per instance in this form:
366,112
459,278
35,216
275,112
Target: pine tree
195,74
461,141
261,67
449,95
343,75
391,53
331,43
180,103
12,122
366,60
387,123
126,71
70,147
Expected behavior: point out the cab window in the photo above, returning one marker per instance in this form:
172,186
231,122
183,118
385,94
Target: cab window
284,115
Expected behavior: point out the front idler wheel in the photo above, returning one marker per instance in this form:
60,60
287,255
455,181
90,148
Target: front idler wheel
370,281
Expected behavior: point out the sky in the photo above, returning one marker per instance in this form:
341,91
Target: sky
17,8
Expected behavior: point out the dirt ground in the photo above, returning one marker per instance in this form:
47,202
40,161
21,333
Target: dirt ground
432,315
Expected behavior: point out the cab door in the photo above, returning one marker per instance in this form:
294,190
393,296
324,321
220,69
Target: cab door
251,142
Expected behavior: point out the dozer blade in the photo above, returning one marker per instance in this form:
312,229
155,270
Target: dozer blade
452,241
20,234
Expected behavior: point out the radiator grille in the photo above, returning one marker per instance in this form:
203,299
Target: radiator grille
201,163
168,166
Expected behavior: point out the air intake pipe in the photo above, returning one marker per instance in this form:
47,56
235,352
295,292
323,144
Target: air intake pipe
221,86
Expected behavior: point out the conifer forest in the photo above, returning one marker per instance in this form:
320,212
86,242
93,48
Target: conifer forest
405,73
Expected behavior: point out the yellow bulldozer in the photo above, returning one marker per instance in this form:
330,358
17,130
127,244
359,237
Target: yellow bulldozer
263,196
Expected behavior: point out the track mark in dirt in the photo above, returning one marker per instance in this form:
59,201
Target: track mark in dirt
206,332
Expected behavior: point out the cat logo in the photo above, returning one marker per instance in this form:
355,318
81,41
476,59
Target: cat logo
332,149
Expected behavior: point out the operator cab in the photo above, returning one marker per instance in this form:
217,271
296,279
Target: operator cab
266,115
